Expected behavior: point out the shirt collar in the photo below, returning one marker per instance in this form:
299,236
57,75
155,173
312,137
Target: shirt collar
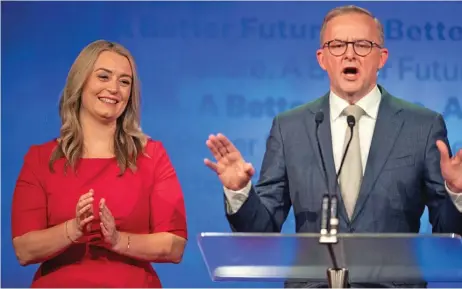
369,103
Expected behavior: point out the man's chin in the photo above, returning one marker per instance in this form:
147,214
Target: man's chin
351,89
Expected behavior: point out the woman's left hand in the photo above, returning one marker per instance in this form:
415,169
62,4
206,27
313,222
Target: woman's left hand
108,226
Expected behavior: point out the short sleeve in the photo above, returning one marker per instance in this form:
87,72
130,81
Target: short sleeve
168,212
28,212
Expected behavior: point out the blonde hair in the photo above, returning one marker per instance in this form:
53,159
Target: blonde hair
129,140
348,10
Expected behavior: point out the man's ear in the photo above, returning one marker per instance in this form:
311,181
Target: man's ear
383,57
321,59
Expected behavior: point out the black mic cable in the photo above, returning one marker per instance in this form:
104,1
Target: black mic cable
319,118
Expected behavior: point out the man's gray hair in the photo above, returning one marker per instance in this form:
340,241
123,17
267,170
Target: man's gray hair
348,10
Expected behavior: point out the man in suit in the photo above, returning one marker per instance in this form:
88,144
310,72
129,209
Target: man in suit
398,161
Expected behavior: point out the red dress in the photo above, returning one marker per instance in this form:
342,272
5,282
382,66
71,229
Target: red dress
149,200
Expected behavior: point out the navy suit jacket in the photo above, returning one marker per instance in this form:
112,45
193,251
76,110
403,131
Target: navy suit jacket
402,174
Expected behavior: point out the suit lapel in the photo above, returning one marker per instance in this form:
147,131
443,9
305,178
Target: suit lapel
325,140
387,128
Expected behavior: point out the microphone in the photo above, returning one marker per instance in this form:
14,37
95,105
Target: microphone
319,118
351,121
327,201
333,223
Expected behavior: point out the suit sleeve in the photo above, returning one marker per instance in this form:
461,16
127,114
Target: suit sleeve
29,207
168,213
443,214
268,202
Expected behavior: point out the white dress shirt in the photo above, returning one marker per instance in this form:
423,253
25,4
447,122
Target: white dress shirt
370,104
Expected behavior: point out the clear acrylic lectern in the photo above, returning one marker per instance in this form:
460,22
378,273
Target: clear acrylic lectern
359,258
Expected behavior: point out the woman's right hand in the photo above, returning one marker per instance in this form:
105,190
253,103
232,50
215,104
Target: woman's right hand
84,213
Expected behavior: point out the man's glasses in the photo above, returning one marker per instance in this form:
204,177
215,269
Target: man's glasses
360,47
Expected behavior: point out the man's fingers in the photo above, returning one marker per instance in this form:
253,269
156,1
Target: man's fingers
213,166
458,158
216,154
249,169
443,151
218,145
226,143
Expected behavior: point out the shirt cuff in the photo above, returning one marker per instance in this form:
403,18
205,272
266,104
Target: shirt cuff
455,197
235,199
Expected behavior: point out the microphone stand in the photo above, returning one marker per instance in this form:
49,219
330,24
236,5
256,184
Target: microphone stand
337,277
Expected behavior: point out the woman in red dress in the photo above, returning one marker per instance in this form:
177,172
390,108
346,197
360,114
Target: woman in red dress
98,204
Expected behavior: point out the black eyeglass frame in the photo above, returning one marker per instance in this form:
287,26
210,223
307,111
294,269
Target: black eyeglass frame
371,45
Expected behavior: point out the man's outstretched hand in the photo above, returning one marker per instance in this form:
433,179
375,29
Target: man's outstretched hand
451,168
231,168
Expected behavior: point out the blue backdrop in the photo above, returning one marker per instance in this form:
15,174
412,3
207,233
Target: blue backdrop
207,67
